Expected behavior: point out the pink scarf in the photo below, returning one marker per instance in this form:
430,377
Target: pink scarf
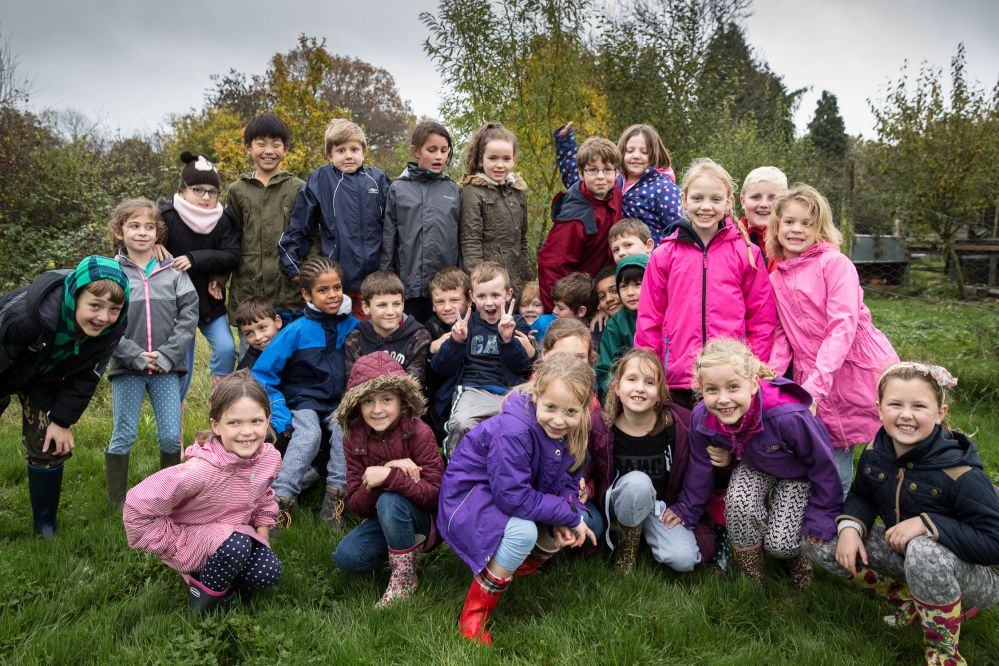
199,220
740,433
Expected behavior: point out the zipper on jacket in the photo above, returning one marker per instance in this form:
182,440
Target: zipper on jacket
898,495
704,297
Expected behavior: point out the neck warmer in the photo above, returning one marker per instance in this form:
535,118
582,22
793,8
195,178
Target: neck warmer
509,180
739,433
199,220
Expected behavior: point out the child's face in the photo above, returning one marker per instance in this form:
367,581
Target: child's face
490,297
260,332
797,230
607,297
563,311
636,157
267,153
242,427
706,201
598,177
727,394
448,304
629,294
909,411
381,410
433,154
202,196
498,159
558,412
95,313
138,233
758,200
638,387
573,346
624,246
385,312
531,310
326,293
347,157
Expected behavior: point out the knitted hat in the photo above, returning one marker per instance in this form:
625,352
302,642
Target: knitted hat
374,373
198,170
640,260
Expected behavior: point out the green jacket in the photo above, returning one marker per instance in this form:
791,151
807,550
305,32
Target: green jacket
618,337
261,215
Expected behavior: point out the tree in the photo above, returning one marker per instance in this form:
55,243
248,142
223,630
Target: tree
826,130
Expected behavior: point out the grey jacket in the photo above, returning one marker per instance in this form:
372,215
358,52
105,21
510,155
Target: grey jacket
420,227
166,299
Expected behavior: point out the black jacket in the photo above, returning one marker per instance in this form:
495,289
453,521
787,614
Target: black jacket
407,344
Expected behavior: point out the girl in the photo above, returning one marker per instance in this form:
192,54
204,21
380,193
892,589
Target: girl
394,474
511,491
759,191
679,313
650,453
781,450
647,184
421,218
824,329
203,241
530,307
936,561
210,518
151,356
494,205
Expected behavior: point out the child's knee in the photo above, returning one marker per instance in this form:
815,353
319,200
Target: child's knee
633,498
781,547
521,534
237,547
392,506
682,558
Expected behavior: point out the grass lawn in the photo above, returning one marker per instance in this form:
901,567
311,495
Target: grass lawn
86,598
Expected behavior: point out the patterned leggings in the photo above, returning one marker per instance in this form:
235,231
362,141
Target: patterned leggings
749,521
240,559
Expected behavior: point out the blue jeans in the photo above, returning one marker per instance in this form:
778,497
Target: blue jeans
127,392
844,465
519,537
306,436
395,526
223,358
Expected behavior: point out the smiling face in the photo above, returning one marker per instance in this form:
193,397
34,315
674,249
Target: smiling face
326,292
95,313
202,196
909,411
433,154
138,234
242,427
385,312
558,411
498,159
260,332
448,304
267,153
347,157
531,310
706,200
598,177
607,296
727,394
381,410
490,297
638,387
757,200
636,157
797,229
630,293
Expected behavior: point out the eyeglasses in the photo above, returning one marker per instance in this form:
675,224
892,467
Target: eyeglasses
201,192
593,171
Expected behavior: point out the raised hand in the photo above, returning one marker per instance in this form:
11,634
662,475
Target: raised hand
507,324
565,129
459,329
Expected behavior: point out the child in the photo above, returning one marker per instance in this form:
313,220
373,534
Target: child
824,329
648,185
488,352
575,297
393,474
510,495
421,217
210,518
629,236
759,191
651,453
781,450
303,373
494,205
260,205
707,281
204,243
346,200
151,356
388,328
608,302
619,334
936,561
448,288
56,336
530,307
258,322
581,218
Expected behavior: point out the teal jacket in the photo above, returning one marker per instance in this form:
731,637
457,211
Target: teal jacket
618,337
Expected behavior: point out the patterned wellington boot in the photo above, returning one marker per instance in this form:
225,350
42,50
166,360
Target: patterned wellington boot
626,550
800,568
535,561
941,631
483,595
897,594
750,562
403,581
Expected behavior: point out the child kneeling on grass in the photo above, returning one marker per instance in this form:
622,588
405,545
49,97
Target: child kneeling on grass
210,517
394,473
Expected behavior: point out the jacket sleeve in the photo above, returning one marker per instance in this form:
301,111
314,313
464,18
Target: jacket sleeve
565,157
610,343
860,504
76,391
174,350
813,448
843,303
698,480
560,254
266,513
652,302
470,228
351,351
149,505
225,257
130,352
267,371
360,500
416,356
388,261
761,311
423,452
234,209
449,359
780,352
525,263
971,531
294,244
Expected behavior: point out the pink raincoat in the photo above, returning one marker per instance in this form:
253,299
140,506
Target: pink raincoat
185,512
826,329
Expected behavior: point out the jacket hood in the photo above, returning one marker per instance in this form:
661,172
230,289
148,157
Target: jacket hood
415,172
513,180
214,453
406,328
574,204
518,404
374,373
631,260
942,449
279,177
818,249
774,397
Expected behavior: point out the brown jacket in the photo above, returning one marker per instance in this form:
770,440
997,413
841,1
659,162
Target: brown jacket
494,226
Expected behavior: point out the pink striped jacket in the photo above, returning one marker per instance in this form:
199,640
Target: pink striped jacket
185,512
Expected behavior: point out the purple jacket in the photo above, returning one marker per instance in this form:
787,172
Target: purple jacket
786,442
506,466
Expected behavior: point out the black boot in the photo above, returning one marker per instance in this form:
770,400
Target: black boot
116,471
169,459
201,600
44,485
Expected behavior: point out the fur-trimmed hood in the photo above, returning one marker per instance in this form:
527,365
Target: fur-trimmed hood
513,180
374,373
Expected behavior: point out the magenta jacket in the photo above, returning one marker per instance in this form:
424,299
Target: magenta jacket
692,294
826,330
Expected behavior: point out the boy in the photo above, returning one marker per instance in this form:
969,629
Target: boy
575,297
258,322
619,334
388,328
260,205
582,218
346,200
629,236
488,352
56,337
448,289
607,300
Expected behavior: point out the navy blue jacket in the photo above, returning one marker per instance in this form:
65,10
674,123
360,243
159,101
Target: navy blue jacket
303,367
484,359
348,208
940,480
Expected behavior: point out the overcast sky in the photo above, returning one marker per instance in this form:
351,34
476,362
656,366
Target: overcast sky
132,62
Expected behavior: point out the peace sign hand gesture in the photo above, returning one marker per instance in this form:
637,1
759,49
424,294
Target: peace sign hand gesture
507,324
459,329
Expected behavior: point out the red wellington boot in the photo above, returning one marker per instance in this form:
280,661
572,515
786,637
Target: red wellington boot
483,595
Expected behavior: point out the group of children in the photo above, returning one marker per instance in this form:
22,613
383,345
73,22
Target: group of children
417,331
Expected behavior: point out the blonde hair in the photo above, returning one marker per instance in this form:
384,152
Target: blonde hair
727,351
561,329
577,376
125,211
659,156
340,131
489,270
705,166
765,174
818,209
647,361
530,292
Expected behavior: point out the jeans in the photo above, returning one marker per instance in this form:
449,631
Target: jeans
395,526
844,465
127,392
223,358
306,436
519,537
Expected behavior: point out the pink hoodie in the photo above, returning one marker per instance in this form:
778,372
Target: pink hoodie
185,512
826,329
692,294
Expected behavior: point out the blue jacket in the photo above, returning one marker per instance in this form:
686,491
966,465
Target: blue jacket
303,367
474,362
348,208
